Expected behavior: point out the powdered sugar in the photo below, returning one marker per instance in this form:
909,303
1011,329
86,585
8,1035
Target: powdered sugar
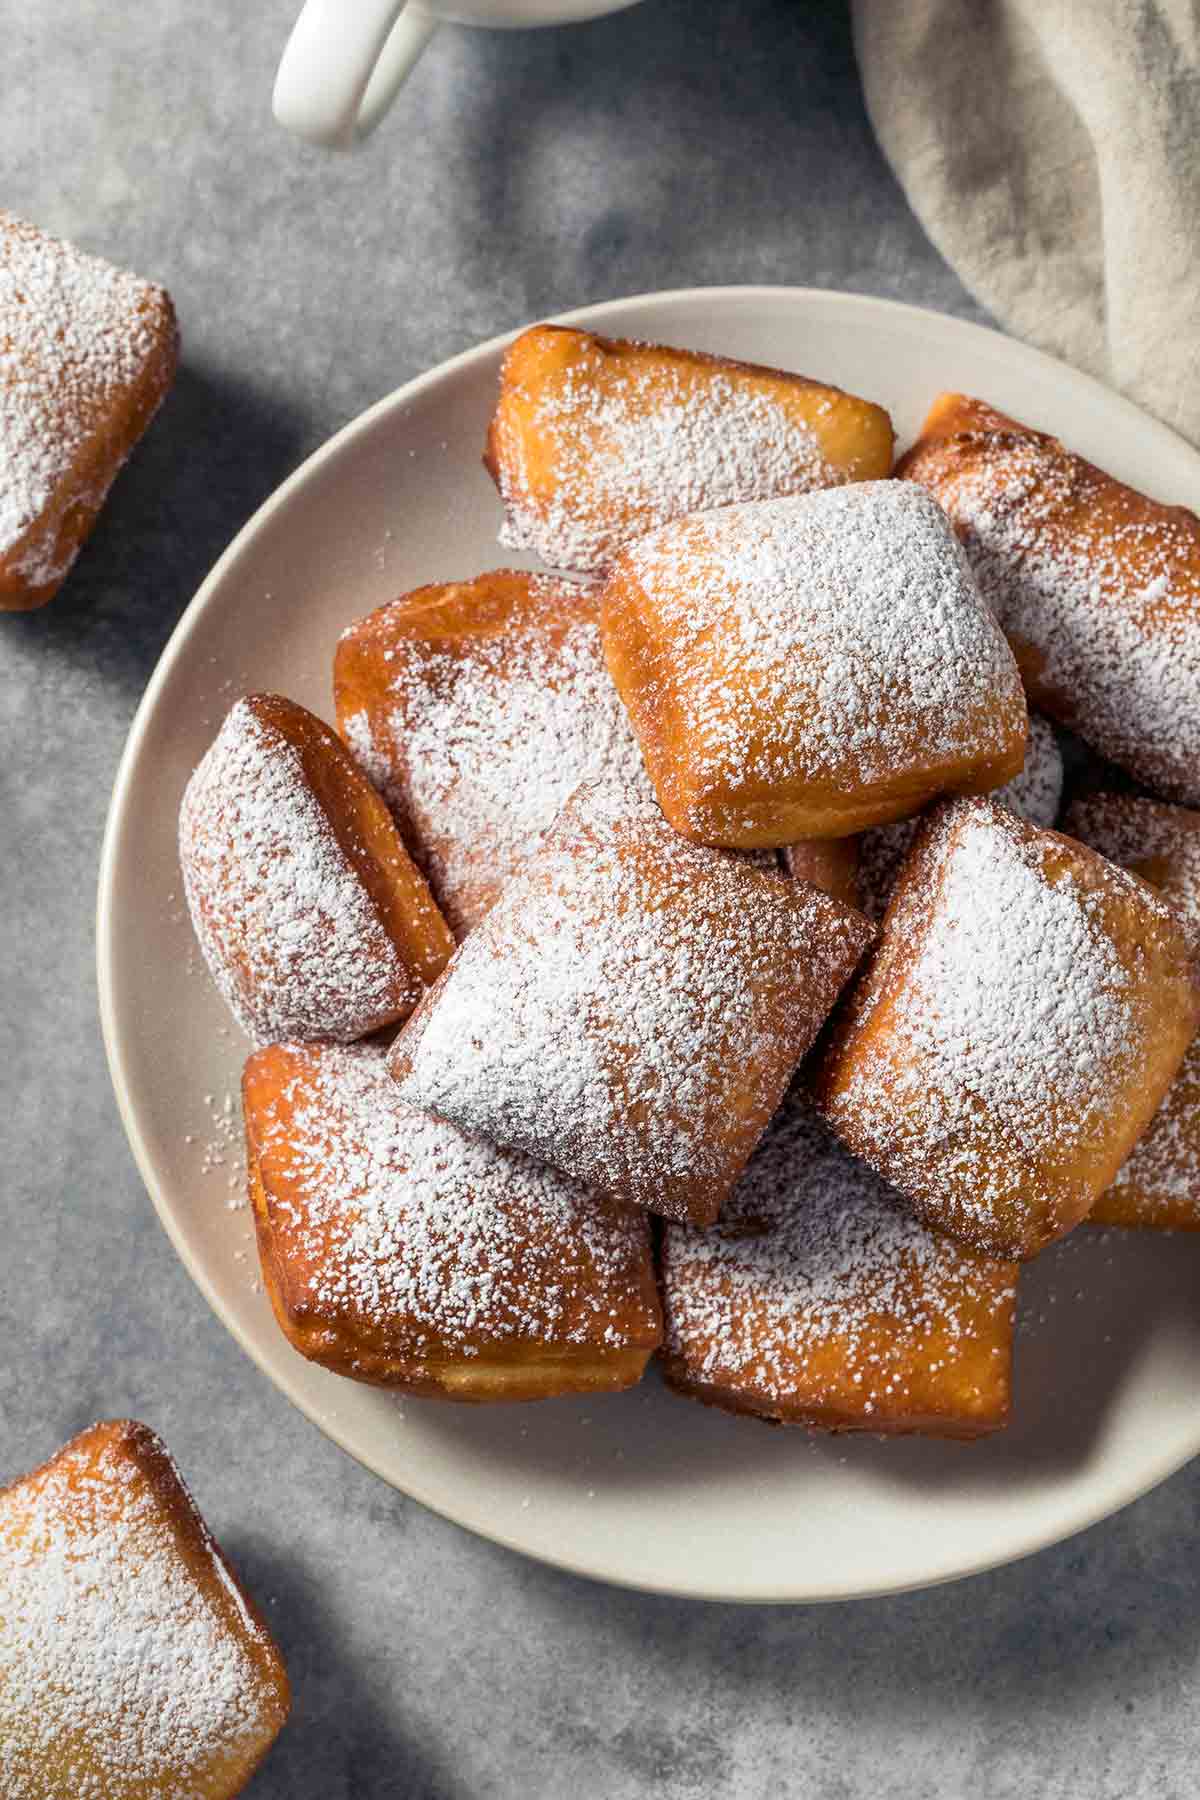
1015,995
477,748
442,1243
835,639
76,336
286,926
1102,583
118,1668
632,1007
1014,1028
1035,794
1160,1181
813,1255
1132,832
644,439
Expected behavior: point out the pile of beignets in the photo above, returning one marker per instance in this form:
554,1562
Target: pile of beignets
673,950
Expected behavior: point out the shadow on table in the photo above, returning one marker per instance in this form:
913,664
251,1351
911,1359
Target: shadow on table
744,154
343,1739
1096,1628
213,455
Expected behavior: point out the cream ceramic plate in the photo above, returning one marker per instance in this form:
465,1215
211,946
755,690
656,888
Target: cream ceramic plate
642,1489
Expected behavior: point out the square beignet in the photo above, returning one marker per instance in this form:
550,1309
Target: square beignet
817,1300
808,667
399,1251
87,353
312,917
1160,1183
632,1008
598,440
1035,794
1096,586
1024,1013
132,1664
477,708
862,870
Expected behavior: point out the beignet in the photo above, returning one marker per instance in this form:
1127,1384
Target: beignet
1160,1183
808,667
598,440
132,1664
313,920
87,353
817,1300
1035,794
862,870
1025,1011
1096,586
477,707
632,1008
828,863
399,1251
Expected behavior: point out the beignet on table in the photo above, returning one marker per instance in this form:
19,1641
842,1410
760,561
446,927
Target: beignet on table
133,1666
87,354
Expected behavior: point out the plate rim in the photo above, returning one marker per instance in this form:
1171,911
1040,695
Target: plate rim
600,314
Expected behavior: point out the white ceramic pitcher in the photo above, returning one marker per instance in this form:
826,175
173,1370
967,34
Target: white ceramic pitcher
347,59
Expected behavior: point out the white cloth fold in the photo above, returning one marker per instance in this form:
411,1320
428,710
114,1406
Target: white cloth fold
1051,149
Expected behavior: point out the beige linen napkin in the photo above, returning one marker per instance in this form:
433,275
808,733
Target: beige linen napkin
1051,149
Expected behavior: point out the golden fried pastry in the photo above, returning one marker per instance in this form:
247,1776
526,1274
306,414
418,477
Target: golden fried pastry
312,918
808,667
87,354
862,870
1035,794
1096,586
477,707
816,1300
1160,1183
829,863
1025,1011
132,1664
399,1251
632,1008
598,440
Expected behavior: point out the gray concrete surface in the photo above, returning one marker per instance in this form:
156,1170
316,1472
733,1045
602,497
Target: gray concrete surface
711,141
